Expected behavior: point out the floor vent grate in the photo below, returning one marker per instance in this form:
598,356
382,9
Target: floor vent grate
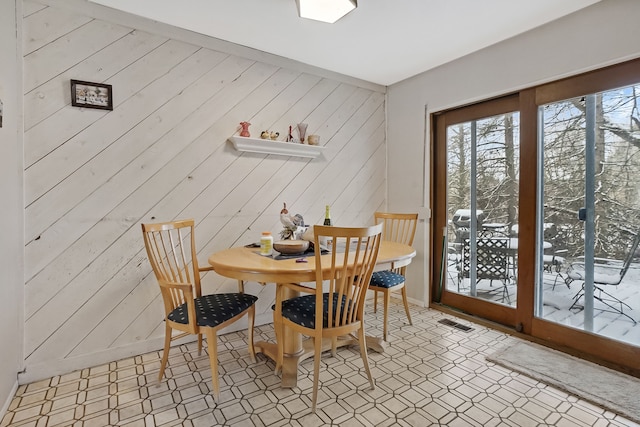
456,325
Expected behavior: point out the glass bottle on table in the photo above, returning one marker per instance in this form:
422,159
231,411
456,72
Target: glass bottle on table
328,243
327,216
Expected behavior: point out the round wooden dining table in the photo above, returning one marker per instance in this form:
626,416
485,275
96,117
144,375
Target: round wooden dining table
246,264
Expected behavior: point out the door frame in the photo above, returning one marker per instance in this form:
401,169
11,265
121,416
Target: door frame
522,318
499,313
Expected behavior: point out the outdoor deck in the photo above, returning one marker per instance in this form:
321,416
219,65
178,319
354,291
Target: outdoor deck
559,299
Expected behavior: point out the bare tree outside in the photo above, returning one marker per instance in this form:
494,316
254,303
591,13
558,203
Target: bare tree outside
617,174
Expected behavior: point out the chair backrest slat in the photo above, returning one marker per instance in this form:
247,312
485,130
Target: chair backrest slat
397,227
492,260
348,274
171,251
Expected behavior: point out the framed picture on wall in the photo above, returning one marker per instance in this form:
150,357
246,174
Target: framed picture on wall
91,95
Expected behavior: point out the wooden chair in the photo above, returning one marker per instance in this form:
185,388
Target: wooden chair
172,253
345,273
401,228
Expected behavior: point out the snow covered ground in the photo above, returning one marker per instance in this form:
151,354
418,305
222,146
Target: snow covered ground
559,299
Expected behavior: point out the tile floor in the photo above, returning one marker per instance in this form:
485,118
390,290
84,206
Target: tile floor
431,375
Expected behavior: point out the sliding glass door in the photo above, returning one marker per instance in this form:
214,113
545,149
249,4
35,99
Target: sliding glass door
590,206
480,235
482,203
536,212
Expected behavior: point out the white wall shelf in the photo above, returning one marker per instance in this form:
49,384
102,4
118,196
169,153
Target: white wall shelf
256,145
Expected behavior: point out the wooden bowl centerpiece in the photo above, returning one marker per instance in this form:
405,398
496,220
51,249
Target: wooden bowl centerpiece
290,247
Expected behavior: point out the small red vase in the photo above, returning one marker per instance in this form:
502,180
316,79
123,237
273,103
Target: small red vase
245,129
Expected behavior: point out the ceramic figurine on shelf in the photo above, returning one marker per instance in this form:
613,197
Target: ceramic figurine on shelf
245,129
264,134
290,136
302,130
274,135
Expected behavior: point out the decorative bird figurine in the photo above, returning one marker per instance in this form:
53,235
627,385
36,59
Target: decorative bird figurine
290,223
286,219
298,220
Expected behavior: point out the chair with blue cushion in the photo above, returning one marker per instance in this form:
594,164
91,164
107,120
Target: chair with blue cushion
172,253
335,307
400,228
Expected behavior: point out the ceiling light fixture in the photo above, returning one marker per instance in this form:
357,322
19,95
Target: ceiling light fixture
325,10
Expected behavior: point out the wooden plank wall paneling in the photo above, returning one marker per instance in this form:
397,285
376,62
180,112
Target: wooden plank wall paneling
92,176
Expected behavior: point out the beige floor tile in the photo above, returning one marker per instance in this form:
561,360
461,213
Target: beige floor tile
430,374
27,413
61,417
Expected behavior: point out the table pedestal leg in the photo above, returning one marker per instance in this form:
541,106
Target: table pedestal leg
290,361
296,350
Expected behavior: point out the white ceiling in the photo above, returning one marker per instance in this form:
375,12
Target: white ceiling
382,41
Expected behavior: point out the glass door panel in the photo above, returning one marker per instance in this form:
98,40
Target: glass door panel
589,213
482,208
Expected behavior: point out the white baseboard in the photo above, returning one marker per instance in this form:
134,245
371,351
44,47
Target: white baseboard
40,370
398,295
36,371
417,302
10,397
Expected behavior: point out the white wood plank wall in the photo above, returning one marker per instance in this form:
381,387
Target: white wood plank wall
92,176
